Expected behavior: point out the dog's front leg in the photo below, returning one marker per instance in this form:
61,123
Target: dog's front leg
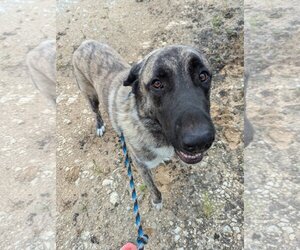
147,178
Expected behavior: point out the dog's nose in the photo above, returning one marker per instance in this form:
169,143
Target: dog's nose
198,139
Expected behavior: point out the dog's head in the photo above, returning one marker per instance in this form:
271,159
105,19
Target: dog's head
172,88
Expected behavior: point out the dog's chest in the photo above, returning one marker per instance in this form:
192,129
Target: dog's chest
162,154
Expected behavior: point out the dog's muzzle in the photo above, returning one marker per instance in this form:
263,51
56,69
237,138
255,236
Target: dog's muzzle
189,158
194,141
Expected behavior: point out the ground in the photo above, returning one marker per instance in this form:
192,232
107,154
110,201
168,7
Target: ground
27,156
203,207
271,169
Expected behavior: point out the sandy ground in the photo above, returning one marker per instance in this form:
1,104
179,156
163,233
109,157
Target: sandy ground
27,156
272,204
203,207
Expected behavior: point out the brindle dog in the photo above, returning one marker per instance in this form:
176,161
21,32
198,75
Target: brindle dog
41,66
161,104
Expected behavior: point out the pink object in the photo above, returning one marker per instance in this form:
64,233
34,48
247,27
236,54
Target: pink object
129,246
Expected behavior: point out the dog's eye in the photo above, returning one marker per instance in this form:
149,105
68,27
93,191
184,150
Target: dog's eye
157,84
203,76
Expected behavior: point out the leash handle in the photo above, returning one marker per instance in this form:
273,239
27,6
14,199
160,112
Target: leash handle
142,238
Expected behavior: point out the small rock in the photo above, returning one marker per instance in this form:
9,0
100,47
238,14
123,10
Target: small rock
71,100
236,229
24,100
227,230
292,237
114,198
177,230
171,25
107,182
67,121
85,235
72,174
60,98
19,121
177,237
289,230
47,235
28,174
146,45
273,230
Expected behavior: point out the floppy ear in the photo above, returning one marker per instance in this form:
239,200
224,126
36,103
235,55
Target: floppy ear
133,75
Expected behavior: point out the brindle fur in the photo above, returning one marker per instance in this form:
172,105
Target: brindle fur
41,66
100,73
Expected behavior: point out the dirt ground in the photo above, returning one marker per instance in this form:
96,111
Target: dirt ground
203,206
271,169
224,202
27,155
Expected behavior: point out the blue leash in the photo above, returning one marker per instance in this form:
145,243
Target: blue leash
142,238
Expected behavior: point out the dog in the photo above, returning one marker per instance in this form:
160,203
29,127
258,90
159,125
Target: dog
161,104
41,67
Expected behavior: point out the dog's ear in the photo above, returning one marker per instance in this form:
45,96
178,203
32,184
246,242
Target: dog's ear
133,75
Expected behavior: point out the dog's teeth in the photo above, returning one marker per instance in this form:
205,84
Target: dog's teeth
191,156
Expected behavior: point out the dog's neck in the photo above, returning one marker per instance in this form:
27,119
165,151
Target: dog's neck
150,123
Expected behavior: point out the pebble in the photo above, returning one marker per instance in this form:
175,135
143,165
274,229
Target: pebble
67,121
85,235
273,230
60,98
114,198
171,25
236,229
107,182
177,230
289,230
292,237
24,100
71,100
227,230
19,121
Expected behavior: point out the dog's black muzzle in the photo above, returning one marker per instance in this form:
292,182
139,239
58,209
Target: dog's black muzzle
195,134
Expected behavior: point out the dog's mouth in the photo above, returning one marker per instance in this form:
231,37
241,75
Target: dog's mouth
189,158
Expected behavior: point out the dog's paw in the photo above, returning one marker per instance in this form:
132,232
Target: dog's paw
158,206
100,131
